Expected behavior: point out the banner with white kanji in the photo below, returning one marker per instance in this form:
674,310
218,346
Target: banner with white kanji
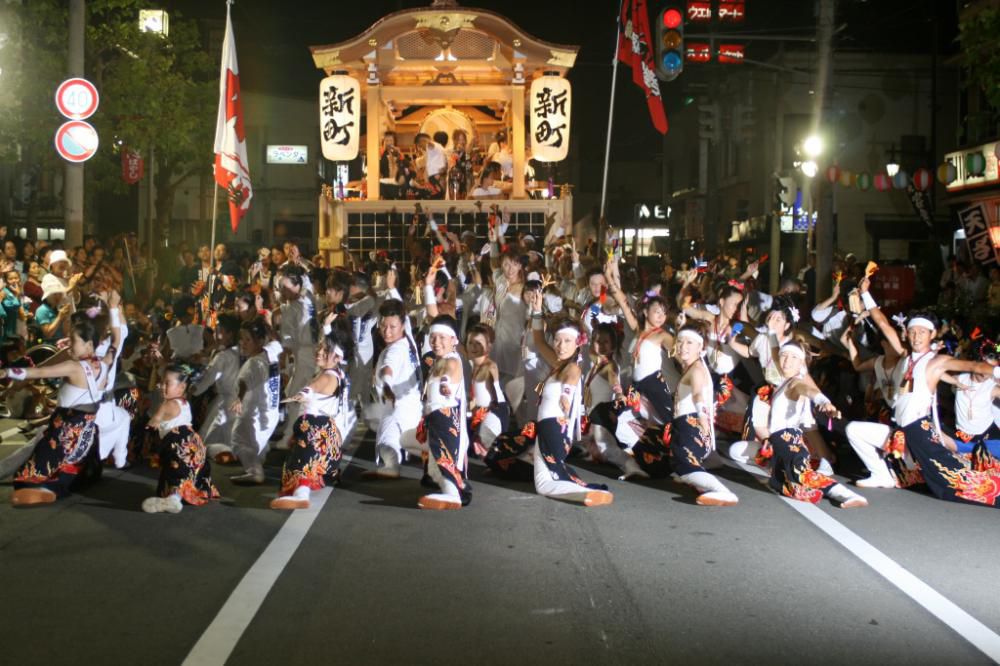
551,104
340,117
981,233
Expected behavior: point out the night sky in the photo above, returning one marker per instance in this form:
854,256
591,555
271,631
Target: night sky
273,38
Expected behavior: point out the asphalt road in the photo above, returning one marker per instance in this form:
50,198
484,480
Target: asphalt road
513,578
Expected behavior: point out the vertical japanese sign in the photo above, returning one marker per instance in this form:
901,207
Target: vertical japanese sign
551,103
976,222
339,117
132,166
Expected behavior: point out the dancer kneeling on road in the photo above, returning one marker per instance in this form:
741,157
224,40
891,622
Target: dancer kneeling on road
397,393
559,411
691,435
315,444
444,419
185,472
792,474
59,452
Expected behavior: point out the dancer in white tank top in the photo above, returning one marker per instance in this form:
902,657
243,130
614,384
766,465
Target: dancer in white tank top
792,475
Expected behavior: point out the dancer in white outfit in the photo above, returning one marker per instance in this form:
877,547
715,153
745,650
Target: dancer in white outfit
222,373
297,332
256,407
397,393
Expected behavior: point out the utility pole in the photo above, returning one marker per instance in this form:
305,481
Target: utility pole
827,218
73,180
779,140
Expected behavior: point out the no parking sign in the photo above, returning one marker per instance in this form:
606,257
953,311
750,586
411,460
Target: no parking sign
76,141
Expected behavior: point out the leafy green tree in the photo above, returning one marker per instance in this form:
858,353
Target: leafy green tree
978,27
156,91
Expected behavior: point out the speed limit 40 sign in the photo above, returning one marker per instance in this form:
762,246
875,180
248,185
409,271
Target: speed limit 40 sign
77,99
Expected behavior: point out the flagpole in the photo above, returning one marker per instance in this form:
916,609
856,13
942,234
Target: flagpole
611,115
211,248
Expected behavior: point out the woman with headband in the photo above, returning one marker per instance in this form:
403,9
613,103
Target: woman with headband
490,409
315,444
443,426
185,472
603,400
652,341
792,403
948,475
559,411
690,437
723,326
60,451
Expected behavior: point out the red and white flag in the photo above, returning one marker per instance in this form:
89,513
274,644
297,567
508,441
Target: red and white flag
635,49
232,171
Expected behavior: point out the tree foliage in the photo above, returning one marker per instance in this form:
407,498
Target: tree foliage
978,30
155,91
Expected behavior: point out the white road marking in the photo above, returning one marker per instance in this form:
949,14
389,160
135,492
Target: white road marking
966,626
220,638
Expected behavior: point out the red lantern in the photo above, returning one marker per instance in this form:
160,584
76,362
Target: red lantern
132,166
922,179
882,182
833,173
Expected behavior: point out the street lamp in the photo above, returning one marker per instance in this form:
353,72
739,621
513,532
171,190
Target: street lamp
892,166
154,20
809,168
813,146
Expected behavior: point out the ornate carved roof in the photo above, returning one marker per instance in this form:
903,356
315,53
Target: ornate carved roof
444,44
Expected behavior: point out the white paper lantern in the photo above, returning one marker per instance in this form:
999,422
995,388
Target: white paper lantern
551,102
340,117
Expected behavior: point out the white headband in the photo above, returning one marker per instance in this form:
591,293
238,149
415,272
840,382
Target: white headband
688,333
920,321
338,351
566,328
794,350
442,329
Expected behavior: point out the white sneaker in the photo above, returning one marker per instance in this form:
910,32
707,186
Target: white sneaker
876,481
170,504
738,451
717,498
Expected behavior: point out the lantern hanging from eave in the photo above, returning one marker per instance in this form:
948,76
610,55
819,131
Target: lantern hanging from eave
975,164
947,173
833,173
340,117
551,105
901,180
864,181
922,179
882,182
846,178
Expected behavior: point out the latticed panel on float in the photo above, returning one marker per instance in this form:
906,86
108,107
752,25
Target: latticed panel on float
472,45
417,46
373,232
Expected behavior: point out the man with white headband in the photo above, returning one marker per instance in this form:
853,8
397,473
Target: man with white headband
443,428
690,437
915,441
397,404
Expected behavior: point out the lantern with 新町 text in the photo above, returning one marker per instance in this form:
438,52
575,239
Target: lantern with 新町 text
340,117
551,103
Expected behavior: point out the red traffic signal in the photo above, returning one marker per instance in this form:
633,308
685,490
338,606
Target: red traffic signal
672,18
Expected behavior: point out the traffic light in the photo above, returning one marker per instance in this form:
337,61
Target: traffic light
670,43
708,121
